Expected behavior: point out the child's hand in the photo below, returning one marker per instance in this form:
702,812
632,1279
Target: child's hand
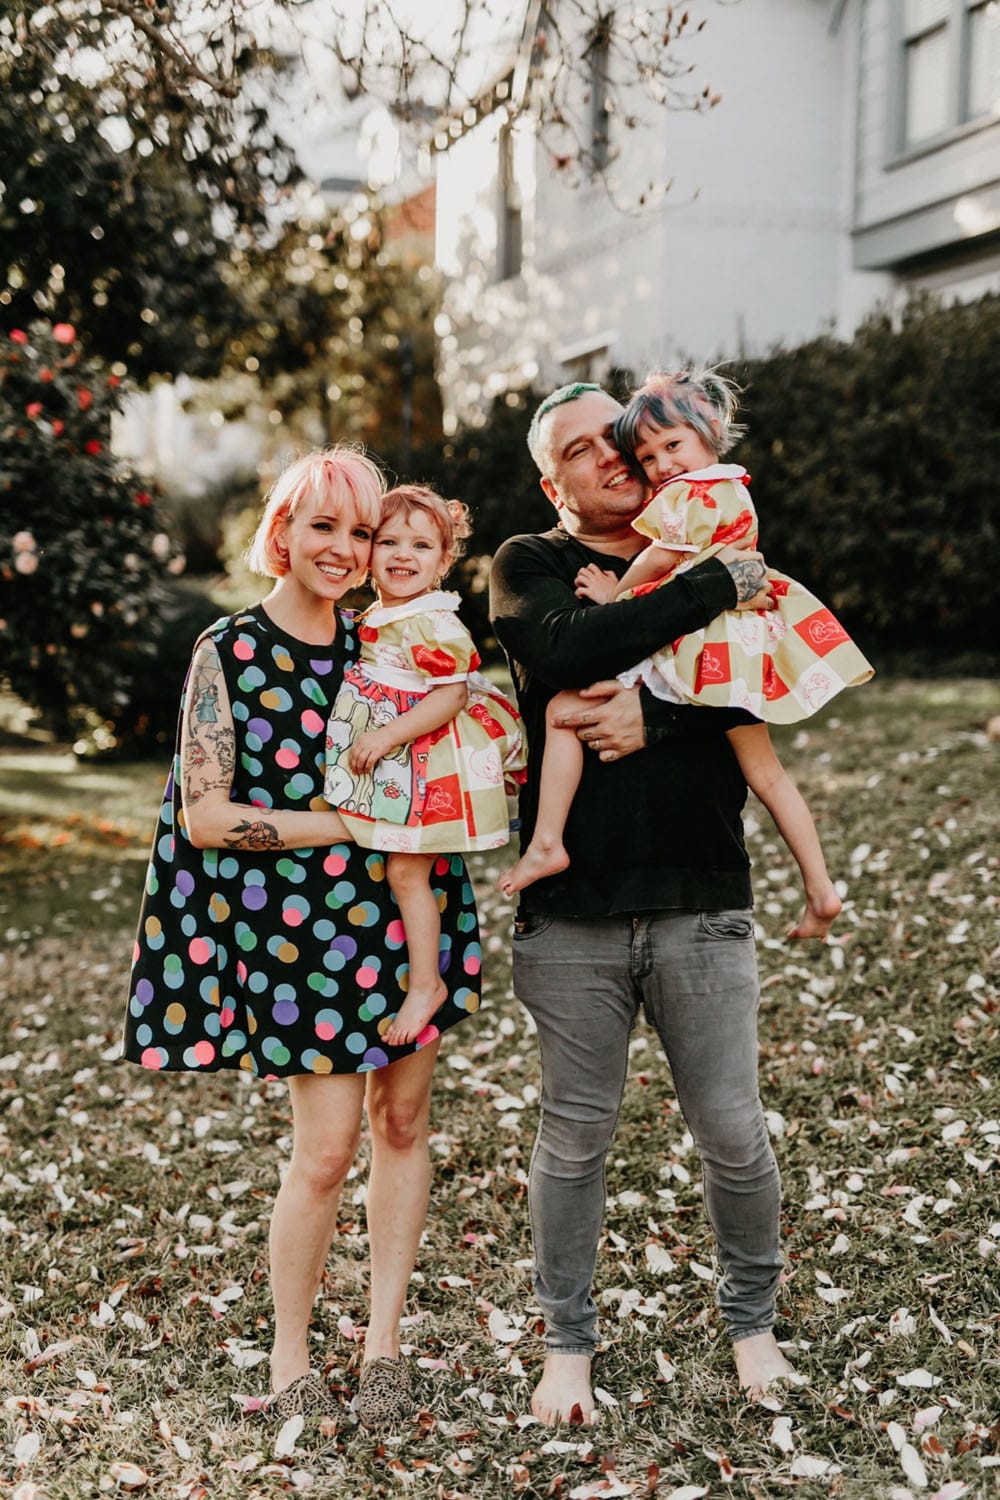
367,750
819,916
596,583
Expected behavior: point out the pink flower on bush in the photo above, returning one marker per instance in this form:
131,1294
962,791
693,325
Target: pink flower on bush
18,336
92,446
64,333
26,562
143,499
85,399
58,427
34,409
23,541
46,375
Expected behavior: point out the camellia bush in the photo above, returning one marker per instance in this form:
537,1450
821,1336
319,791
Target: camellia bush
83,561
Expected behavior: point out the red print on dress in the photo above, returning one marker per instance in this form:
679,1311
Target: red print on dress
444,800
773,686
735,529
367,633
713,667
435,661
494,729
822,631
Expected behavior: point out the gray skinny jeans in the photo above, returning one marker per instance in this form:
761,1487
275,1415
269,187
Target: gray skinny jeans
695,976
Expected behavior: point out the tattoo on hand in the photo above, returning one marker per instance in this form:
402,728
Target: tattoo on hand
258,835
749,576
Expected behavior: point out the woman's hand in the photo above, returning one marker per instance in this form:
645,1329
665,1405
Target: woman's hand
368,749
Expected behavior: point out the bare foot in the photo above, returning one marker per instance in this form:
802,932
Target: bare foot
543,856
759,1361
414,1013
822,908
563,1394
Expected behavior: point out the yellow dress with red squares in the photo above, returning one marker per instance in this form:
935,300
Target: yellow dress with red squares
446,791
780,664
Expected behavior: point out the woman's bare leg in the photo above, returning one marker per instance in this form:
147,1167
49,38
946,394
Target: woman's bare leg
562,767
398,1102
409,877
327,1128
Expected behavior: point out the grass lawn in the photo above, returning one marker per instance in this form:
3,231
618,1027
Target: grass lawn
133,1298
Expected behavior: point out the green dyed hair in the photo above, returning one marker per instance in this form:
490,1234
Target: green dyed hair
565,393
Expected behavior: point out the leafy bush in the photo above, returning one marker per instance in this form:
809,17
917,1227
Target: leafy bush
876,466
82,558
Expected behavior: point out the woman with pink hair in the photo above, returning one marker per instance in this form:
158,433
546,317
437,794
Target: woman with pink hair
269,942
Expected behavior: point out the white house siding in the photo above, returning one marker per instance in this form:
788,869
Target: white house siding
749,248
935,200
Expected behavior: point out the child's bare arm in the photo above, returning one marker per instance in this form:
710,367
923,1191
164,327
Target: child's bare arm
440,705
772,784
652,564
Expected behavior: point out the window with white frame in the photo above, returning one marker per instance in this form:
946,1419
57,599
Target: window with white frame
950,67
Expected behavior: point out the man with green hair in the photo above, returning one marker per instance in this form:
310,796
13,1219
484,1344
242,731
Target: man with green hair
654,911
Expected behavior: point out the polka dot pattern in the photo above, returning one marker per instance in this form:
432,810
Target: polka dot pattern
292,962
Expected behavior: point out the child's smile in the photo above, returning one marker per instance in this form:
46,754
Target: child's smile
408,558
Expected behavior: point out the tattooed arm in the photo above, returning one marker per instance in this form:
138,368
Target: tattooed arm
208,761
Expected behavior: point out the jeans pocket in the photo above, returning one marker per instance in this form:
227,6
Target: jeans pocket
731,925
530,926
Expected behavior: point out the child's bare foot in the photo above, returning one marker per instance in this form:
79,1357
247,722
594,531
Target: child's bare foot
414,1013
563,1394
542,857
759,1362
822,909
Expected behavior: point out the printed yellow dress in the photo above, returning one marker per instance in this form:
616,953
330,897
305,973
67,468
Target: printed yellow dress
781,664
447,791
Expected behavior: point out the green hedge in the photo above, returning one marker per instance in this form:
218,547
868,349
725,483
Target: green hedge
875,468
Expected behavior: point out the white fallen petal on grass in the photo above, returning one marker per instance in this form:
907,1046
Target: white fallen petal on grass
781,1434
704,1273
284,1443
902,1322
808,1466
502,1327
598,1489
659,1260
688,1492
666,1369
926,1418
912,1466
953,1490
131,1476
942,1328
604,1397
832,1294
922,1379
26,1449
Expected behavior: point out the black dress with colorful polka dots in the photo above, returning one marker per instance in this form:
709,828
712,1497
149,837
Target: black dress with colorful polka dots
287,961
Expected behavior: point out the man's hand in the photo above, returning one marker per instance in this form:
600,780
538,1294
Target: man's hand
613,727
749,573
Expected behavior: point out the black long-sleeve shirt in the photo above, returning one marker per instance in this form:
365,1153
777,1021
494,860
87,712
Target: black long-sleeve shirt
659,829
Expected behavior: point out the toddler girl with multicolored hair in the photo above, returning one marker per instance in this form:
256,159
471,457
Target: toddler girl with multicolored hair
781,664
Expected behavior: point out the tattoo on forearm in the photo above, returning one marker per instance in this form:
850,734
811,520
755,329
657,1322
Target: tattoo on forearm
749,576
259,835
210,757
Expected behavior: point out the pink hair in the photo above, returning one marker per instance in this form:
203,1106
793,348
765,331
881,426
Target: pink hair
329,479
450,517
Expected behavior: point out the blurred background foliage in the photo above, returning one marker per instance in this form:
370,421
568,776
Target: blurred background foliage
149,207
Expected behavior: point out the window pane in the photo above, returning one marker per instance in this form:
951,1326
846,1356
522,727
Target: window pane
927,111
921,15
983,61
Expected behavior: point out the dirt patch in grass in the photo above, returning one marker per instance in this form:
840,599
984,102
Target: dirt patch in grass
134,1309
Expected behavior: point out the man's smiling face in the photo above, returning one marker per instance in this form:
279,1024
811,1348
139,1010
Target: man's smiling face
587,479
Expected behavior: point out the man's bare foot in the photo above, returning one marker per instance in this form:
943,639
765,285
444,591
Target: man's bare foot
542,857
563,1394
414,1013
759,1361
822,908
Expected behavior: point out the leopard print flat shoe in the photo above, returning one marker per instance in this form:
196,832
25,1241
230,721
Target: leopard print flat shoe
385,1393
307,1396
